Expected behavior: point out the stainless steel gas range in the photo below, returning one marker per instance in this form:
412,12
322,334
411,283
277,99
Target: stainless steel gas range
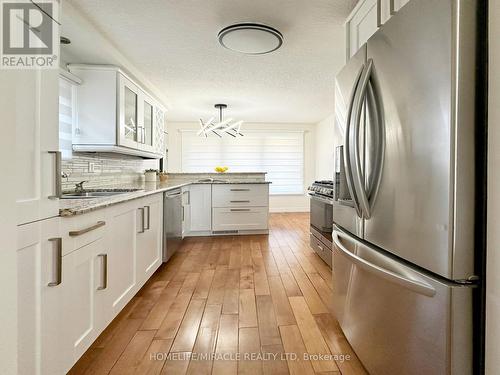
321,194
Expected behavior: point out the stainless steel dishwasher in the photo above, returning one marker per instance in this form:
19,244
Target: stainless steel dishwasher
172,223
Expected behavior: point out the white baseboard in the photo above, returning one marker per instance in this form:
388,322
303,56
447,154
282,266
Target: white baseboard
288,209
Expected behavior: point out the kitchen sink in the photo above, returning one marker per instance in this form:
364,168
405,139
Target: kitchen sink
96,194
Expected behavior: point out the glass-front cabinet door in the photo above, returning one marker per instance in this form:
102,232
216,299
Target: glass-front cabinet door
148,124
128,113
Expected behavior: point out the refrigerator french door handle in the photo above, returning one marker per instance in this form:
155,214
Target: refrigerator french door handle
376,113
411,284
357,173
347,149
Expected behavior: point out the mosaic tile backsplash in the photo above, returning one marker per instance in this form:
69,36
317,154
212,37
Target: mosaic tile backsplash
109,170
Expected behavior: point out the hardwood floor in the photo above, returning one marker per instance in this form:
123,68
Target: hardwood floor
265,298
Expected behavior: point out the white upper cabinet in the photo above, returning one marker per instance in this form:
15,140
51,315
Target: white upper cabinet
365,19
361,25
37,144
115,114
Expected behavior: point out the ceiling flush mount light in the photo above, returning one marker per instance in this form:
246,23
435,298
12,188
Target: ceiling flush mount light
250,38
223,126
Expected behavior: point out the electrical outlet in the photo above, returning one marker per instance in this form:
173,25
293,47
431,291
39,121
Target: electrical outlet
91,167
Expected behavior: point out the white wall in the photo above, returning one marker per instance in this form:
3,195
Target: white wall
324,148
9,105
493,239
324,128
277,203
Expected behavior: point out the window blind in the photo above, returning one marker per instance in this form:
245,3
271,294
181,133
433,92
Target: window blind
66,117
279,153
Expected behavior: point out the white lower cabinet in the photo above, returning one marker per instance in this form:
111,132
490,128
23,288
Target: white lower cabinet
85,311
122,279
76,274
42,291
240,208
200,209
240,219
149,236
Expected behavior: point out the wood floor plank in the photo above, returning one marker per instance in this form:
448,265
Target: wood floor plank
246,277
133,353
290,284
216,294
160,309
170,325
249,351
247,309
227,345
284,314
275,363
231,292
312,297
292,343
152,362
115,347
339,345
189,283
206,341
268,327
204,284
177,364
325,293
311,335
186,335
260,276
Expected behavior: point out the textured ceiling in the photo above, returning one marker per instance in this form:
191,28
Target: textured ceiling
174,44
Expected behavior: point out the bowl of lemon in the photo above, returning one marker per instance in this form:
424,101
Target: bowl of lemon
221,169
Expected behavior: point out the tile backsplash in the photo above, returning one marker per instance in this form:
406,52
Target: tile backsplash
109,170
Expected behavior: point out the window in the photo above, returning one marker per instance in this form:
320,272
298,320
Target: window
279,153
66,117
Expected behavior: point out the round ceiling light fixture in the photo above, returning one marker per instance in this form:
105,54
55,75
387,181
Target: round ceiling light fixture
250,38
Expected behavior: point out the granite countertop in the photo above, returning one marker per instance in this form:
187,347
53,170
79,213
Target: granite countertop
73,207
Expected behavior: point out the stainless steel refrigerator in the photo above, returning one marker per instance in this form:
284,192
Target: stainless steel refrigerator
405,192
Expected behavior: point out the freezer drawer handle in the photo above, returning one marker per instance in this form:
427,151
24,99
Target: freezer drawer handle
415,285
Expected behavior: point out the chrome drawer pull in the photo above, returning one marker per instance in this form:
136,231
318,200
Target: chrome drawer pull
104,284
58,262
77,233
240,189
239,201
240,209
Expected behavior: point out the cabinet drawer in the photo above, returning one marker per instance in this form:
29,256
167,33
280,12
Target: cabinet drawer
251,218
322,250
238,195
81,230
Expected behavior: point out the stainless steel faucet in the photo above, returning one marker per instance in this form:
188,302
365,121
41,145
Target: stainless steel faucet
79,187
